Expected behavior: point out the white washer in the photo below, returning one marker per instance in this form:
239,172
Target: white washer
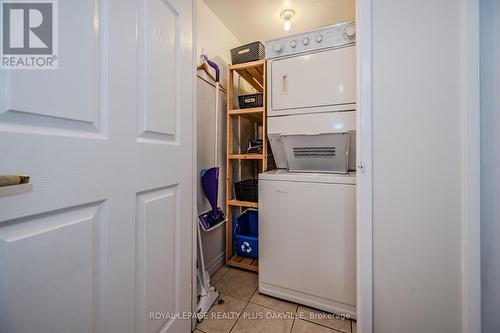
307,239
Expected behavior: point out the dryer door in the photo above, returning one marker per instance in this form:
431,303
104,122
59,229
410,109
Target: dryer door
315,82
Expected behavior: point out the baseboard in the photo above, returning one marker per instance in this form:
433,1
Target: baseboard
316,302
216,263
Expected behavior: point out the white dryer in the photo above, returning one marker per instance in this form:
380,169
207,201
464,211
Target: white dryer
312,100
312,72
307,239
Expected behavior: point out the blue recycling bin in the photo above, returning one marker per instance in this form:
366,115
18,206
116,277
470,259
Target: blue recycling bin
246,234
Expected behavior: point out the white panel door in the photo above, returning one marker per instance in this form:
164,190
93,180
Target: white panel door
100,239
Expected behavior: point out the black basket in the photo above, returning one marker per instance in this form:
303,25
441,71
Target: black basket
246,53
247,190
250,101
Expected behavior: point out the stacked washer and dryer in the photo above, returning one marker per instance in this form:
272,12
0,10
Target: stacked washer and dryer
307,207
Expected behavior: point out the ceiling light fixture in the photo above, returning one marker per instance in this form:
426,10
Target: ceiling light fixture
287,15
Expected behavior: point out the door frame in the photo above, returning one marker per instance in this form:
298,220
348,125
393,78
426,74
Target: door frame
364,175
194,218
472,167
471,171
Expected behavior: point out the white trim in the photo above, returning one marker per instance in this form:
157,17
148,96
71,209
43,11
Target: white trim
194,219
471,157
364,219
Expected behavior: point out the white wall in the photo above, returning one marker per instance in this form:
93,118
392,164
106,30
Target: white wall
417,166
490,164
215,40
213,36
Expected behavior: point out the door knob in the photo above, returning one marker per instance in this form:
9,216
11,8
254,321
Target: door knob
11,180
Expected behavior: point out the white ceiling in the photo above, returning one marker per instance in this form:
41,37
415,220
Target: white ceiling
251,20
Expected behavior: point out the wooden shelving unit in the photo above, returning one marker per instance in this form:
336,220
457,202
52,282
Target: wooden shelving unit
255,74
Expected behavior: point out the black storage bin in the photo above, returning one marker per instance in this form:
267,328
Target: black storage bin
246,53
247,190
250,101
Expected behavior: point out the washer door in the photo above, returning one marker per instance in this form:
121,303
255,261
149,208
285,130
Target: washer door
316,82
307,241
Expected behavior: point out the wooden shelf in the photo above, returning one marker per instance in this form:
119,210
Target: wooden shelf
245,263
254,114
249,65
253,72
247,111
248,204
245,156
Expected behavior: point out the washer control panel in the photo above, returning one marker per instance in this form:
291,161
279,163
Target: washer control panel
334,35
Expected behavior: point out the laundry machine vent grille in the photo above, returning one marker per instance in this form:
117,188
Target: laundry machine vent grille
314,152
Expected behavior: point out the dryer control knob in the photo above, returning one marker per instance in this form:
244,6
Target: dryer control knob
305,41
350,31
278,47
293,43
319,38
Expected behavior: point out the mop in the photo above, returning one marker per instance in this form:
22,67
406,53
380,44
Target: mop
210,177
212,218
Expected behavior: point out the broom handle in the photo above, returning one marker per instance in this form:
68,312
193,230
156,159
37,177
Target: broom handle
201,258
216,139
217,83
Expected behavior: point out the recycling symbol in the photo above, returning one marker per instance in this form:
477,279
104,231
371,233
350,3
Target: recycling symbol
245,247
